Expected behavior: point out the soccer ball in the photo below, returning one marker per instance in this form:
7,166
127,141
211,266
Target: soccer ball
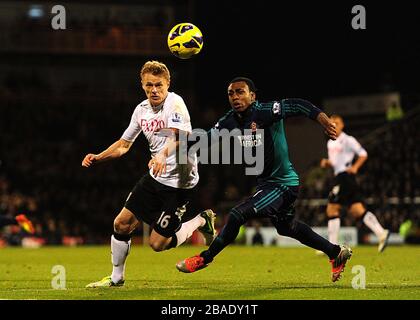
185,40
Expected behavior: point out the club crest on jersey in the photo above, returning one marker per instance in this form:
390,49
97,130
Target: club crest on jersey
254,126
276,108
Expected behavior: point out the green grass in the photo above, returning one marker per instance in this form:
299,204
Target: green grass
238,273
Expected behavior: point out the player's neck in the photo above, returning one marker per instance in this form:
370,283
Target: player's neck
158,107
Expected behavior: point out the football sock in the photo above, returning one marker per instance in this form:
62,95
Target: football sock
373,224
120,247
302,232
333,229
187,229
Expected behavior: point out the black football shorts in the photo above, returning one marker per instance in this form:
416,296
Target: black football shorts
163,207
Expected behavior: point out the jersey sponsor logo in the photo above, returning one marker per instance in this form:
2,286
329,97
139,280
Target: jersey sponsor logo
276,108
250,140
151,125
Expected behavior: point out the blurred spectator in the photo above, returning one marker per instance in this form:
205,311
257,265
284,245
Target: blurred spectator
53,234
257,238
410,231
241,238
394,112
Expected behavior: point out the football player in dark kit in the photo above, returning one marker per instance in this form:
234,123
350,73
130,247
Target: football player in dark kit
277,185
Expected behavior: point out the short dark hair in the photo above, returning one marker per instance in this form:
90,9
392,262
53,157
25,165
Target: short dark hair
248,81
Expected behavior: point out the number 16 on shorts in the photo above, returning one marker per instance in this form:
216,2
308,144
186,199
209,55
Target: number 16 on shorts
163,221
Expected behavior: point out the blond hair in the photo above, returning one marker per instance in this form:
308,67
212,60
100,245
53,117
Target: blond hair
156,68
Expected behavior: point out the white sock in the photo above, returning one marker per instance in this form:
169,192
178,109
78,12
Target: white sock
333,229
119,253
188,228
373,224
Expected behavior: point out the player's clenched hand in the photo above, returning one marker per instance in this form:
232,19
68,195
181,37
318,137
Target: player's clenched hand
158,164
324,163
151,163
352,170
88,160
330,130
328,125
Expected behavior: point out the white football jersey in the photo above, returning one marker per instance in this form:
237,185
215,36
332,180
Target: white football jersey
173,114
342,151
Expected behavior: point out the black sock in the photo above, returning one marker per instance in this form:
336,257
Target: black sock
122,237
303,233
227,236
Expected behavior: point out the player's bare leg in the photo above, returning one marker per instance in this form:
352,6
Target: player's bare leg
359,211
333,215
158,242
124,225
203,222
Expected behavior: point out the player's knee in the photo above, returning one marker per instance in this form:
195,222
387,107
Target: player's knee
293,225
284,228
157,246
121,226
333,213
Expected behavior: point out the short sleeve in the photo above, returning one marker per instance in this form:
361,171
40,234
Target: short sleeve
179,117
133,129
357,148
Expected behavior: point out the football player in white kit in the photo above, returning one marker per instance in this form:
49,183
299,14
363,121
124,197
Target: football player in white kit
345,191
160,197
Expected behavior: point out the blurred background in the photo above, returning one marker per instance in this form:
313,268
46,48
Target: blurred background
66,93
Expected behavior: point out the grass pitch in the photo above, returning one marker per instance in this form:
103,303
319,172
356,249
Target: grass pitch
238,273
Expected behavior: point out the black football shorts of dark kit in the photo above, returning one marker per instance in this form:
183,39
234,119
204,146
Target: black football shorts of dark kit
164,208
345,191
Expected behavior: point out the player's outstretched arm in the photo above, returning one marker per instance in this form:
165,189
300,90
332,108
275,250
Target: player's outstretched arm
116,150
328,125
